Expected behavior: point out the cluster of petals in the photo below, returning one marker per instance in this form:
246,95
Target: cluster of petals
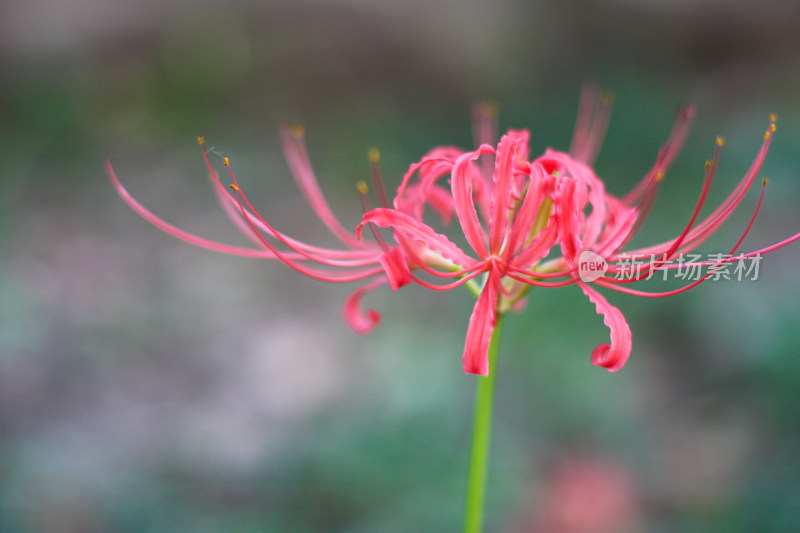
525,222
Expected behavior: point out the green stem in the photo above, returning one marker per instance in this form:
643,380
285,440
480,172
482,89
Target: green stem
481,429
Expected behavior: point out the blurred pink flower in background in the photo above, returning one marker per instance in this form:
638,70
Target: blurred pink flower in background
584,494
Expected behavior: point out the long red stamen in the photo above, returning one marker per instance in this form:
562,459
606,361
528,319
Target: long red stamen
362,194
718,264
537,283
666,155
177,232
322,260
726,208
297,158
321,275
712,167
357,257
449,286
642,209
705,228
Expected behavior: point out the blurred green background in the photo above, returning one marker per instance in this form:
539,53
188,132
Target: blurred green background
150,386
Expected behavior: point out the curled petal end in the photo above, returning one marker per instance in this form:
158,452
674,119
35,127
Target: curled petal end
602,356
611,356
360,321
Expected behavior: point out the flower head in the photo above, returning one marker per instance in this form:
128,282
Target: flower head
513,214
527,223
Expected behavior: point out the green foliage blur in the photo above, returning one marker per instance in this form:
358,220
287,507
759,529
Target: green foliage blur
150,386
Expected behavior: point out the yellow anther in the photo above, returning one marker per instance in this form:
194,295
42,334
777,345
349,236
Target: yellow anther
708,164
490,108
226,162
234,187
659,175
374,155
607,97
773,118
772,128
298,130
720,141
764,182
362,188
201,140
767,134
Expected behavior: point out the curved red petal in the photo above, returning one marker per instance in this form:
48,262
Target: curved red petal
479,333
360,321
461,182
611,356
502,189
567,217
413,229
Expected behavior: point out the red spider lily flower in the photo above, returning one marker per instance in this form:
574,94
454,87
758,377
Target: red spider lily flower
512,215
512,211
358,260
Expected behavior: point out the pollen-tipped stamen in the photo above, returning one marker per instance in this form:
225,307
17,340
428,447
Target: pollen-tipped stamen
706,228
615,284
374,157
363,189
711,168
242,200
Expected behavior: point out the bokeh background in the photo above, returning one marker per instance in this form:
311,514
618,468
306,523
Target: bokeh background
149,386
